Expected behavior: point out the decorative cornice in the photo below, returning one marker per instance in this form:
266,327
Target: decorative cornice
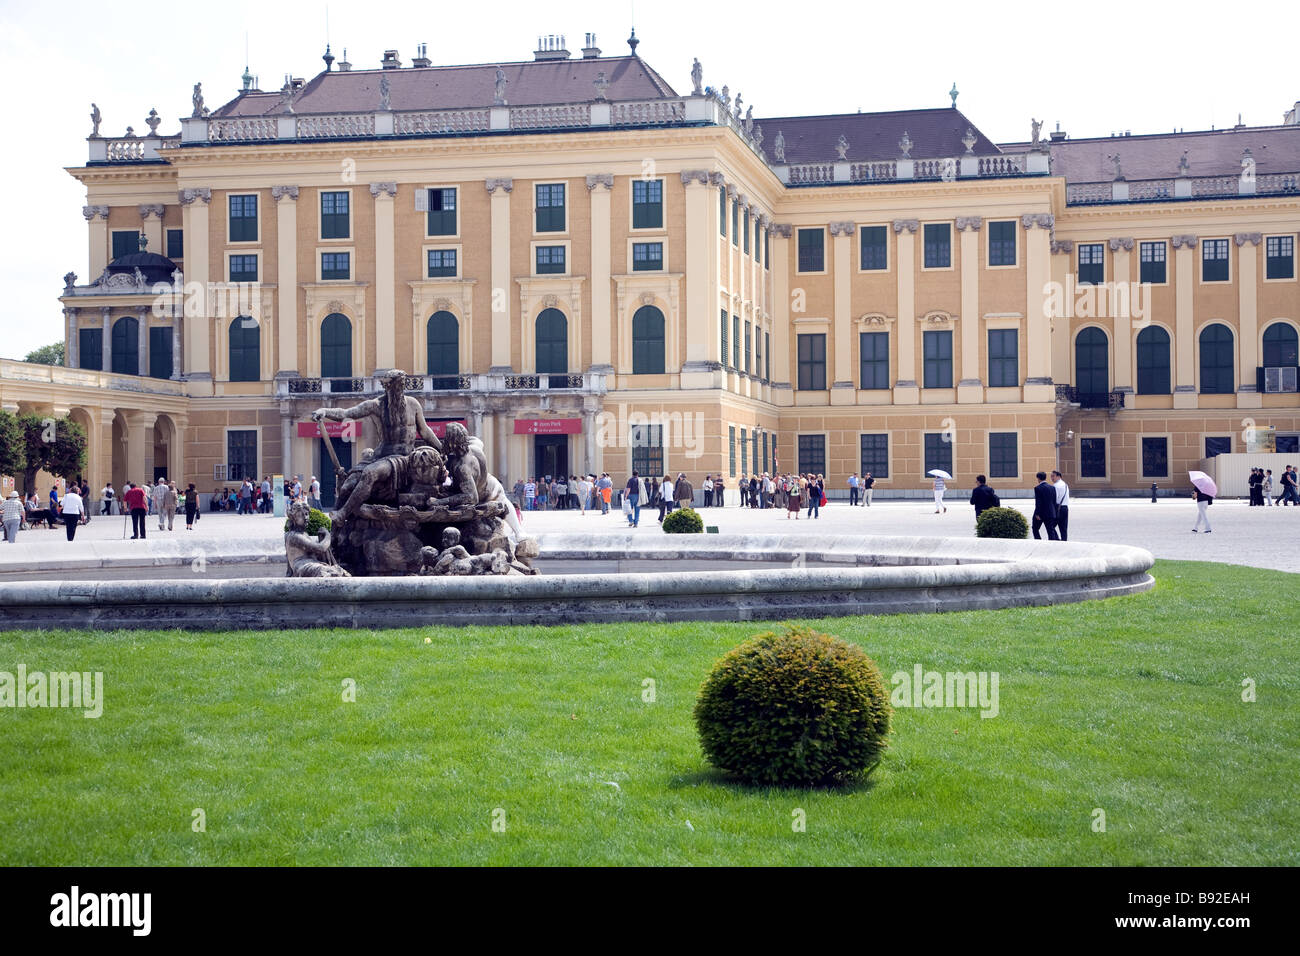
282,192
148,209
600,179
1060,246
911,225
187,196
782,230
939,320
90,212
1254,238
875,320
1123,242
845,228
1043,220
505,183
969,222
695,176
764,220
389,188
1179,241
717,179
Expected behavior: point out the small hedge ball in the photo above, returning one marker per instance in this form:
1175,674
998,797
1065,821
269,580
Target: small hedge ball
683,521
797,708
1001,523
317,521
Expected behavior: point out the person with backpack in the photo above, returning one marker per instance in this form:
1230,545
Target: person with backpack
983,497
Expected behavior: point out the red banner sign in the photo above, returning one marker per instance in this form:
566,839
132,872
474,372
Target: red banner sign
548,426
351,430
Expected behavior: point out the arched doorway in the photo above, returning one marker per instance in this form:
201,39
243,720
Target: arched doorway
336,346
1092,368
442,338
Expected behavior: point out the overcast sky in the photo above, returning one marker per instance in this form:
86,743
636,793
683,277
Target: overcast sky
1097,68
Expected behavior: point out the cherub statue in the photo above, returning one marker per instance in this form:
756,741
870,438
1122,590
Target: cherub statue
453,559
308,556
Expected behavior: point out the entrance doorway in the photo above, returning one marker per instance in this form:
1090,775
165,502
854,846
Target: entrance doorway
551,455
328,480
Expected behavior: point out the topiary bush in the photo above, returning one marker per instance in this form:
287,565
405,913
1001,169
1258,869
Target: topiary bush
794,709
683,521
1001,523
317,521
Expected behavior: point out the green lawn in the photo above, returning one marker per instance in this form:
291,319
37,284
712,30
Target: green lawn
1133,706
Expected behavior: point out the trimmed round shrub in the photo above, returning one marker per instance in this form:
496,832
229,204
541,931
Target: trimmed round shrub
317,521
683,521
1001,523
794,709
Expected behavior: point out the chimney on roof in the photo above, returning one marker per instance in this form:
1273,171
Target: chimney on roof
344,65
391,61
422,60
590,51
553,46
1057,135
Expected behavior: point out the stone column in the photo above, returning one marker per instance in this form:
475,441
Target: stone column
589,440
476,419
176,450
1184,317
107,336
142,340
502,424
151,216
970,387
286,443
198,367
1248,311
1123,319
385,276
139,444
598,188
97,220
499,190
843,391
286,292
906,391
1038,320
72,357
176,339
781,330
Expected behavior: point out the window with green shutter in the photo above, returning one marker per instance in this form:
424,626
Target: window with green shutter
647,203
245,349
442,212
243,218
648,341
335,219
874,358
550,207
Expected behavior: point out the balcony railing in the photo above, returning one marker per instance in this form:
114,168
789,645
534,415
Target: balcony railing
587,383
1033,163
1113,401
1183,187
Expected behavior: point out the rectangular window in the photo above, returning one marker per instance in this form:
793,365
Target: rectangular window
125,242
735,342
1004,358
1155,457
1218,445
647,449
812,250
744,453
812,454
243,268
875,455
938,452
1214,260
1152,263
874,248
336,265
874,358
938,245
335,218
243,218
175,243
767,356
731,449
748,345
765,468
1279,257
1002,243
753,440
758,353
1287,445
767,258
160,352
812,362
757,245
937,348
1092,458
647,203
90,349
1004,457
722,214
550,260
1092,263
241,454
647,256
726,323
735,222
745,244
442,263
442,212
550,207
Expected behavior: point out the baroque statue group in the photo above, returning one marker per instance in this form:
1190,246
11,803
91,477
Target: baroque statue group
415,505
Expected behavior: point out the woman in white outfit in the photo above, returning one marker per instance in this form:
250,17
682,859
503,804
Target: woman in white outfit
1202,503
12,516
938,495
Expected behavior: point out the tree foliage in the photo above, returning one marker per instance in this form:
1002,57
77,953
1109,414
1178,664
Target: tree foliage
46,355
57,446
13,449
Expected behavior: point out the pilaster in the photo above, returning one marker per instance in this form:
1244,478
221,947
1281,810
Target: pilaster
1184,321
500,189
906,391
286,305
599,186
970,388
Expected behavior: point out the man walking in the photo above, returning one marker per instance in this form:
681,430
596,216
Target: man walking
160,502
635,491
313,493
1288,494
1062,505
683,492
718,487
867,483
982,497
1044,508
106,496
167,508
138,504
853,490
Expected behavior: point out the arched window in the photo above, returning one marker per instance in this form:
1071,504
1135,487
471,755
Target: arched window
336,346
1280,345
443,337
126,346
1092,368
1153,361
552,342
245,350
648,341
1216,360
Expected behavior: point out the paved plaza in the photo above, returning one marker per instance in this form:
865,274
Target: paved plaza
1258,537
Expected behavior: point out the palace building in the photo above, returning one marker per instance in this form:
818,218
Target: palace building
597,273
